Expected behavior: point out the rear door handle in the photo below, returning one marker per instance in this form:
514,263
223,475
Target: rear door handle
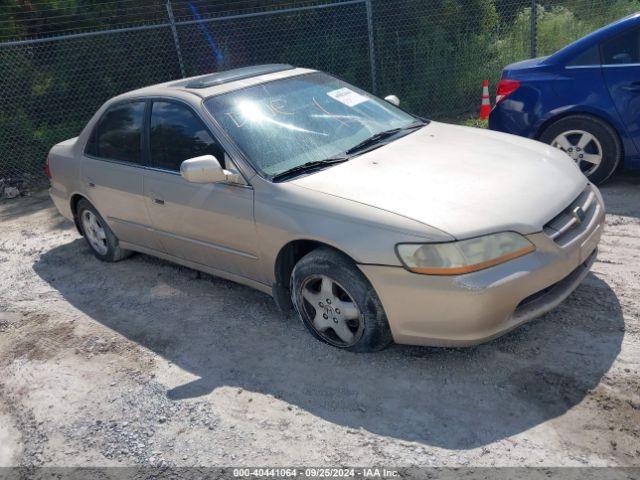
158,201
90,183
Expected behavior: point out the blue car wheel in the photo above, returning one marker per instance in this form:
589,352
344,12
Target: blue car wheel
589,141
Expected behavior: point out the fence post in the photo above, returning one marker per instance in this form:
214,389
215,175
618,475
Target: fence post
534,29
176,41
372,52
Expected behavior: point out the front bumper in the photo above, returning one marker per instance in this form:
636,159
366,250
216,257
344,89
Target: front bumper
477,307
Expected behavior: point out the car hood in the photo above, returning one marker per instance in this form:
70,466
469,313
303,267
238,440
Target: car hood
464,181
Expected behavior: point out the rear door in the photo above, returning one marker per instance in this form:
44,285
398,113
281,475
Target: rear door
621,70
112,171
209,224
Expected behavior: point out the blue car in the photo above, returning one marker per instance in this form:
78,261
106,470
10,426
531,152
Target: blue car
583,99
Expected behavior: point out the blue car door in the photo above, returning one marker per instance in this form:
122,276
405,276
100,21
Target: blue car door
621,70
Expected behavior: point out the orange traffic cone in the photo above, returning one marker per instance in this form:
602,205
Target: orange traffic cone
485,109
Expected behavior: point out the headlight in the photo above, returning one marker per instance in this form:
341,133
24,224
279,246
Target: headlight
455,258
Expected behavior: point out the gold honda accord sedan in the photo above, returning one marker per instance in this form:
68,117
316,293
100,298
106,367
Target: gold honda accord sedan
373,224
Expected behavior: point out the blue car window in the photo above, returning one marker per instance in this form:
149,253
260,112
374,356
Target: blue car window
623,49
587,58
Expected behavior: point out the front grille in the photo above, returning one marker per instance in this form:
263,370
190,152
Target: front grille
536,296
575,219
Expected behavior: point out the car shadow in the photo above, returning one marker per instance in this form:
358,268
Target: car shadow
231,335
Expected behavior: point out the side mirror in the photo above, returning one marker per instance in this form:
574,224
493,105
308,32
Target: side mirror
393,100
206,169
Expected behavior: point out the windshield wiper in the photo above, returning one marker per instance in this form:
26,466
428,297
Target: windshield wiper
377,140
309,167
370,143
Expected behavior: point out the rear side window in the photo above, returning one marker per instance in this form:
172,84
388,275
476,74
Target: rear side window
176,135
622,49
587,58
118,133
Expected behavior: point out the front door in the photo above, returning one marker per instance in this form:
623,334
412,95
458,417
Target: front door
621,70
209,224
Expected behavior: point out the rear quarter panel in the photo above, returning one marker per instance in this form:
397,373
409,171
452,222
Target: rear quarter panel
65,170
521,111
583,90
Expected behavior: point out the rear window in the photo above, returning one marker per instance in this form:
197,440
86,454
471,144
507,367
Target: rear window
587,58
118,134
623,49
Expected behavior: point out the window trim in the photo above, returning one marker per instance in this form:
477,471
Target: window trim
94,132
581,67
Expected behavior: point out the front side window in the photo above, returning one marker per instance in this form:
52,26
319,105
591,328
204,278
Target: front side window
622,49
289,122
118,133
176,135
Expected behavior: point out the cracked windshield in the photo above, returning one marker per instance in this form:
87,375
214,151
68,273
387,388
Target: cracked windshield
285,123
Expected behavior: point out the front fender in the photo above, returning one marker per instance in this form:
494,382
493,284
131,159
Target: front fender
366,234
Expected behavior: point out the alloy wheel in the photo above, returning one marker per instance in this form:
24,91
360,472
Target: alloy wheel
94,232
583,147
331,311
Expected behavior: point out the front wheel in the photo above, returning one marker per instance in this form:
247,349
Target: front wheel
337,304
591,143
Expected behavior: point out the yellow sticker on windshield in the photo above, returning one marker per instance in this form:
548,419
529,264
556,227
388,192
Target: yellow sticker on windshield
347,96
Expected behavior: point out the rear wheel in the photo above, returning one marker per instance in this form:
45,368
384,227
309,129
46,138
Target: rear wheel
101,240
337,304
590,142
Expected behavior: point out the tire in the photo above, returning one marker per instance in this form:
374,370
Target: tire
349,288
605,138
107,248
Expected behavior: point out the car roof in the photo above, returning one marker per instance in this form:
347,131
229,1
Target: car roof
228,76
573,49
216,83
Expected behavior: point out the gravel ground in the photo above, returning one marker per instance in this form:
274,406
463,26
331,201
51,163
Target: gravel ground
146,363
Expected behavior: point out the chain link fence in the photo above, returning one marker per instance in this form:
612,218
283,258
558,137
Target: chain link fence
59,61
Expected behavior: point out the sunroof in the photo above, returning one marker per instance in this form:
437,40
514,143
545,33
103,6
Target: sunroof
227,76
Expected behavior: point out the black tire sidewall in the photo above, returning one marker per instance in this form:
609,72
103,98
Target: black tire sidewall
112,241
376,334
606,135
